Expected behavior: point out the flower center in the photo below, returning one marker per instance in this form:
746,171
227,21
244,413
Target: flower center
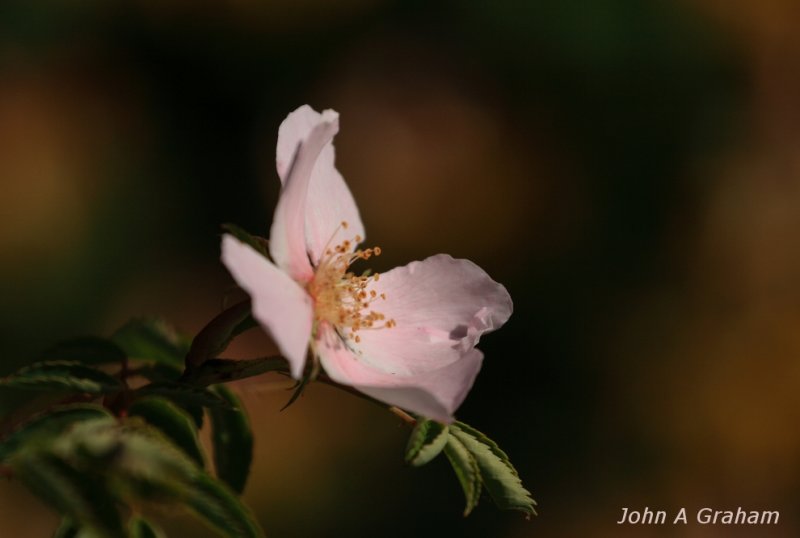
343,299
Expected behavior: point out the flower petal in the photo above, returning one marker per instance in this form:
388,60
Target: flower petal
441,306
435,394
329,201
329,204
292,132
280,305
287,243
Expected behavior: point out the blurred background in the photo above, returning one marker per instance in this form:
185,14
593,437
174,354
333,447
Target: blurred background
629,170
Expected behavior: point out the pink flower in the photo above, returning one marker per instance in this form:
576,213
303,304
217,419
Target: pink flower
406,337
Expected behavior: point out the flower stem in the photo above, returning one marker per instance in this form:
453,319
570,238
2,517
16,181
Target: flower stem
405,417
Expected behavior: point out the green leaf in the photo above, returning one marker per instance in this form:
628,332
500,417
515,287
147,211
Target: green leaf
154,468
221,508
152,339
196,412
186,396
427,440
214,338
48,425
233,441
73,492
466,428
88,350
165,382
67,529
214,371
467,471
62,375
498,475
158,372
173,422
139,527
98,463
136,462
259,244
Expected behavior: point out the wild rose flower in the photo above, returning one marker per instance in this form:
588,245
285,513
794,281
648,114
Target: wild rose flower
406,337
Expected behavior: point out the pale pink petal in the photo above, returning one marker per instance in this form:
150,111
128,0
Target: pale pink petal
329,204
441,306
435,394
427,362
287,240
329,201
294,130
279,304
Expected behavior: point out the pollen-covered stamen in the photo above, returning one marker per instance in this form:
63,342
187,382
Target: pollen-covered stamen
342,298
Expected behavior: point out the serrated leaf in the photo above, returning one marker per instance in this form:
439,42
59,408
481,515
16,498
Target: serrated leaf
148,461
494,447
184,395
233,441
498,475
66,529
467,471
137,462
87,350
173,422
73,492
221,508
139,527
152,339
158,372
259,244
196,412
214,371
96,463
62,375
427,440
214,338
88,442
165,381
48,425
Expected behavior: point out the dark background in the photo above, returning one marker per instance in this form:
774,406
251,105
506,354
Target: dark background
629,170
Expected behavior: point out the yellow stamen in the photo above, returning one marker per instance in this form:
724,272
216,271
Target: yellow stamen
342,298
